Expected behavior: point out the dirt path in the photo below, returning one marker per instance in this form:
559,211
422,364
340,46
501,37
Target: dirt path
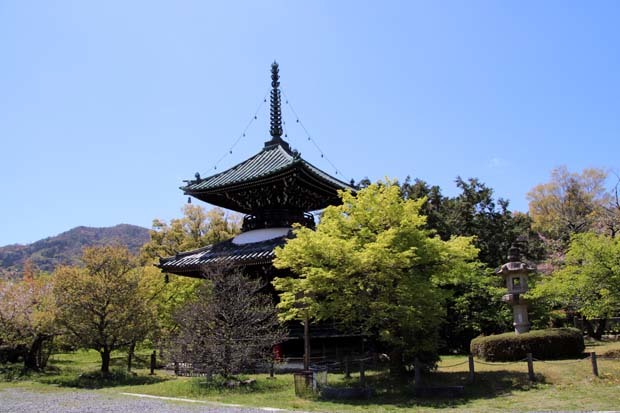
18,400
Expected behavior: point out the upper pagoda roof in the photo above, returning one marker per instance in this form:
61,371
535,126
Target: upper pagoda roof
270,161
272,165
276,178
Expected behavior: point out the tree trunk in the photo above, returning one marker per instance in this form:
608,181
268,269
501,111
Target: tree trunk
397,367
44,352
130,353
33,357
226,360
105,361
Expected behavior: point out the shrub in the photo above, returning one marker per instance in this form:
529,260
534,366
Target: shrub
12,353
553,343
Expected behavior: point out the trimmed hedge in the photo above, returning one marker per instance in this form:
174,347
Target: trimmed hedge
550,344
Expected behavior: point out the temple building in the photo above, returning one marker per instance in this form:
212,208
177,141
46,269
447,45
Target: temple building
275,189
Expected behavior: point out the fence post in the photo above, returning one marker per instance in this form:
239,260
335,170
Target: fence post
530,367
347,367
362,374
471,377
594,364
271,370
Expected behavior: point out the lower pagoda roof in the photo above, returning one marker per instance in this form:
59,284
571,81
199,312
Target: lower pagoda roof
227,253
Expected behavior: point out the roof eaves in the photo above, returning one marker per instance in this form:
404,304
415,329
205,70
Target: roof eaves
288,160
324,175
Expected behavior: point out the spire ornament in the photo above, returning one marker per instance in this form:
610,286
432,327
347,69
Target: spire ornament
276,105
276,129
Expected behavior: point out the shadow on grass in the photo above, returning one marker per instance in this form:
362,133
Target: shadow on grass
388,390
98,380
235,385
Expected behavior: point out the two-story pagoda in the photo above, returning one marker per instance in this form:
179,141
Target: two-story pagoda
274,189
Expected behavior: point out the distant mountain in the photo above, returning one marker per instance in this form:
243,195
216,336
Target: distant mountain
66,248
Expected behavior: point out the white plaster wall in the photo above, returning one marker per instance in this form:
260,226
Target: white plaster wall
259,235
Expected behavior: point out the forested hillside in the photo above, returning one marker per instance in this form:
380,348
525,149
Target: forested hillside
66,248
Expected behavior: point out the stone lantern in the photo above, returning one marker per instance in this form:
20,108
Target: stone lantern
515,273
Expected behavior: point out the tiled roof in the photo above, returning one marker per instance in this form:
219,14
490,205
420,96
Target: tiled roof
269,161
223,253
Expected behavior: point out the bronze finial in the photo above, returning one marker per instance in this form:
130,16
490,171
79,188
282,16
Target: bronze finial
276,108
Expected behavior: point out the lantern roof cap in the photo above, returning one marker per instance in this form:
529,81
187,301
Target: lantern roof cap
515,262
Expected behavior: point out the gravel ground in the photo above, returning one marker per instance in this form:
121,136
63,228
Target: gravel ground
13,400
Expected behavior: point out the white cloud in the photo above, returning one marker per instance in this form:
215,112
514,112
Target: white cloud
497,162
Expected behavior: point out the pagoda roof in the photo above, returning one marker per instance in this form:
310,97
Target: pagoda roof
227,253
275,179
274,170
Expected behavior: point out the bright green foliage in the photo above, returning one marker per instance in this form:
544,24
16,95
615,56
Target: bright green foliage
372,266
167,296
196,229
589,281
103,305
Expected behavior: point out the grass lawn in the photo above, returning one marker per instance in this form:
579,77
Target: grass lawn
561,385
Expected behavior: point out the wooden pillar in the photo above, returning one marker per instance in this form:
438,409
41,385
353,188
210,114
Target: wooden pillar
347,366
362,374
153,362
594,364
306,341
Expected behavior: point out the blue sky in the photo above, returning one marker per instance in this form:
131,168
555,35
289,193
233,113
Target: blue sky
105,107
